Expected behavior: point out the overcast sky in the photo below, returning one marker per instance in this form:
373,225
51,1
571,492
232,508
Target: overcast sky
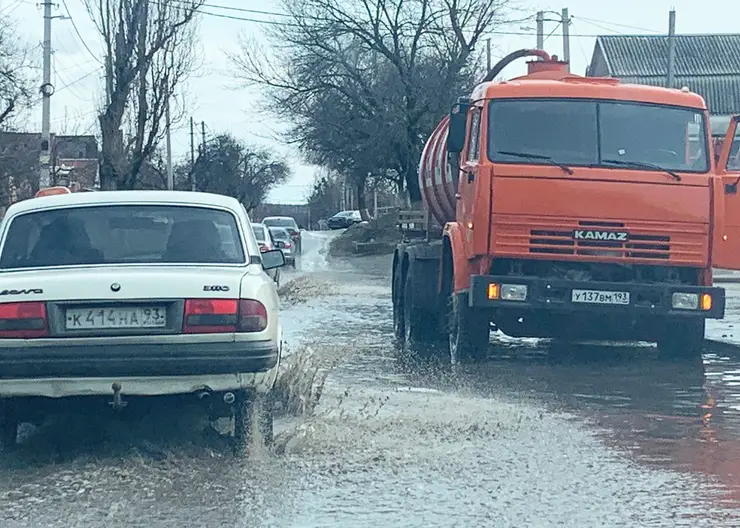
212,97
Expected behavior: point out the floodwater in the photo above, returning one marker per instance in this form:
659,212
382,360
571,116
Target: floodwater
584,437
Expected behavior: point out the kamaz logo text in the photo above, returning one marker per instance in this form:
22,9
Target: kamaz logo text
620,236
35,291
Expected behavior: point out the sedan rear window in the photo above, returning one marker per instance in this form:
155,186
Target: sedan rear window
122,234
279,222
279,233
259,233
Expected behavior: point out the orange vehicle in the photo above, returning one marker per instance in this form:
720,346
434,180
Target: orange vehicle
574,208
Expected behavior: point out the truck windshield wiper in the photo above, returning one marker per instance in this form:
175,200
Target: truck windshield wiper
643,165
537,157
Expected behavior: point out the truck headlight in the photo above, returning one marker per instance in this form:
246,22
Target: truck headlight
685,301
513,292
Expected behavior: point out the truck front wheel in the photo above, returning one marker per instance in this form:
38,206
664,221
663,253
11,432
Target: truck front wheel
469,330
681,340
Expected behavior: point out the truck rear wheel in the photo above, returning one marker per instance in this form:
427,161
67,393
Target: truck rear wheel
681,340
469,331
419,324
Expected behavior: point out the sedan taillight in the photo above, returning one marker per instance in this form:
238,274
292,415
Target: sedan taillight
23,320
214,316
252,316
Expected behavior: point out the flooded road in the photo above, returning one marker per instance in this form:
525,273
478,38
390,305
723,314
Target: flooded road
583,437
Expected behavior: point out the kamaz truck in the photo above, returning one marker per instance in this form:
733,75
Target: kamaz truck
559,206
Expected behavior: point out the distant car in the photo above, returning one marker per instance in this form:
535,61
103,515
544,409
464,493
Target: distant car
266,243
288,223
284,243
126,295
344,219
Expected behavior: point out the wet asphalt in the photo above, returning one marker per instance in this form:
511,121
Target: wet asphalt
537,436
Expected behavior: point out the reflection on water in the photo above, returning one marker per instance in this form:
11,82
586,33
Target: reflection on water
676,415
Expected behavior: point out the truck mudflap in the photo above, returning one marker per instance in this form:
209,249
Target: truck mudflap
616,298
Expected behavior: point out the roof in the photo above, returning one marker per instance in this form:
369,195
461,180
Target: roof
124,198
590,88
706,64
647,55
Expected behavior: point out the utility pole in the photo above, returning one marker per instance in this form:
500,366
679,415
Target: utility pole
488,55
203,137
168,145
671,48
566,37
375,202
540,30
192,156
46,91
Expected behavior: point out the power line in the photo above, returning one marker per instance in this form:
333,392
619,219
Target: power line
78,80
56,73
289,24
596,21
71,83
552,32
238,9
64,2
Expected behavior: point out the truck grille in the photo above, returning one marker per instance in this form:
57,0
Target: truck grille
562,242
645,242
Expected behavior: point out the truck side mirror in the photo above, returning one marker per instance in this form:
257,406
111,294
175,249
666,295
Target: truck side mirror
458,128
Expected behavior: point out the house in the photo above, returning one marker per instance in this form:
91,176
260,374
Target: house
706,64
73,159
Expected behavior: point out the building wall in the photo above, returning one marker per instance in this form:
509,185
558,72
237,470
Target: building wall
598,67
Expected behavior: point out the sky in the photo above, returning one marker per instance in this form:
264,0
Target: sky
215,97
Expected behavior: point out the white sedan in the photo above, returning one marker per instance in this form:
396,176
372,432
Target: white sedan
129,294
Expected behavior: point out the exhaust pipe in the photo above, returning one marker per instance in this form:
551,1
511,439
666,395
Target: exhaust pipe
229,398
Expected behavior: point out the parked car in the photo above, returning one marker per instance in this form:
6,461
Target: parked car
266,243
284,243
288,223
134,294
344,219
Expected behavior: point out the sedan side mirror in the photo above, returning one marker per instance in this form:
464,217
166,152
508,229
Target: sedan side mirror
273,259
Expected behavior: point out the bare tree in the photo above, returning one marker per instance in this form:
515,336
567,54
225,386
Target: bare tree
149,49
398,64
15,73
230,167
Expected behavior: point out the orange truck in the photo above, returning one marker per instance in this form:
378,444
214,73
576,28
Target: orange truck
573,208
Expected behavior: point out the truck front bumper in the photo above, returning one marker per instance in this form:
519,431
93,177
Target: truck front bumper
608,298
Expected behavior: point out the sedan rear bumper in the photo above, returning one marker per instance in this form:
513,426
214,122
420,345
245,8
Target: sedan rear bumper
138,360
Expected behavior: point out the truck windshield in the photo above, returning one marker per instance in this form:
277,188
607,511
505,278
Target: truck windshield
122,234
588,133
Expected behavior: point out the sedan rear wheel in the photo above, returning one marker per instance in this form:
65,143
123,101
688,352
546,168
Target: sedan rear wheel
8,427
252,414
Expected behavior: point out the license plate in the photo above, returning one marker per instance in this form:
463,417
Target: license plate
600,297
112,318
